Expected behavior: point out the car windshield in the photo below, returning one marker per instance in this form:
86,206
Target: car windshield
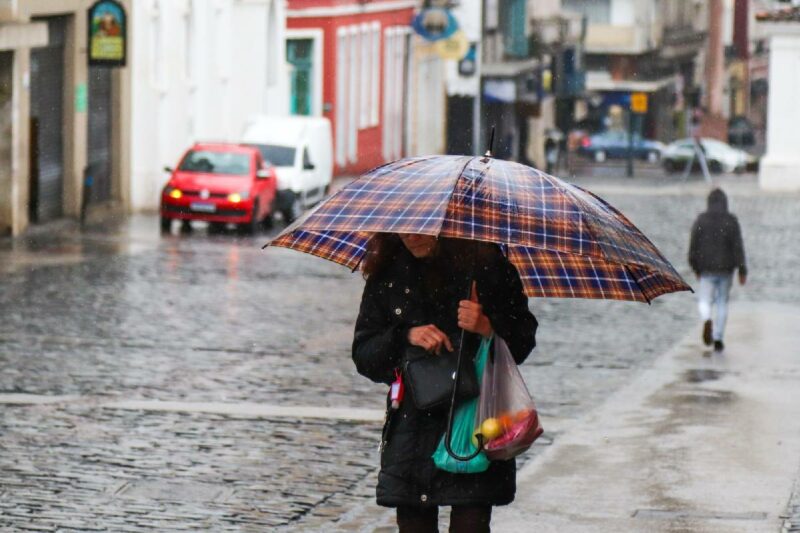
216,162
279,156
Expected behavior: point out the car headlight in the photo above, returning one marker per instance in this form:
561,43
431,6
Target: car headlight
173,192
237,197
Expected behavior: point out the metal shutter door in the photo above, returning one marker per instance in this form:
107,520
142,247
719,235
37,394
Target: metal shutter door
47,94
99,147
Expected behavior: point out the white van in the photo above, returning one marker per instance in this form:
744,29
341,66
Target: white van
301,149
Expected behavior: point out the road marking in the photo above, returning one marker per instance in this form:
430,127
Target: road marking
34,399
242,409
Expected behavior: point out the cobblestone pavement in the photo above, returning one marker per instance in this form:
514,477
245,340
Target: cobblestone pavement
118,312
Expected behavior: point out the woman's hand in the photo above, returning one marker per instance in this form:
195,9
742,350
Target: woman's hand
471,317
430,338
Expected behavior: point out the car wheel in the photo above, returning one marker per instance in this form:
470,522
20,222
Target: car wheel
669,166
251,227
715,167
600,156
652,157
268,221
166,224
295,209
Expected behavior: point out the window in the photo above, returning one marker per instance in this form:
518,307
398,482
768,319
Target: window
353,94
394,77
513,19
279,156
209,162
342,98
157,63
375,46
365,86
222,44
299,54
272,45
189,46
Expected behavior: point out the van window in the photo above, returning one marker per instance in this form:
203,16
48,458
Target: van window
279,156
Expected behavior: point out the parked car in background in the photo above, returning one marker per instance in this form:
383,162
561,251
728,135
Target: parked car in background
301,149
741,132
720,157
613,144
220,183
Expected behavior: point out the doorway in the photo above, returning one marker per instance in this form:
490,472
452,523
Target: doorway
47,125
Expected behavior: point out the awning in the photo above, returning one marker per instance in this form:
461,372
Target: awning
15,35
509,69
600,84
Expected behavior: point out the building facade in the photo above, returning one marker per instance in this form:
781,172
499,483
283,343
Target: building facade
644,46
354,67
62,120
200,69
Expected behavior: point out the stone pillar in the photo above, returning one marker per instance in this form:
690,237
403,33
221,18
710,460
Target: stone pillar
780,166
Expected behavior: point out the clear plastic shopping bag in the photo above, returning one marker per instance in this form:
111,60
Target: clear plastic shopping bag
507,417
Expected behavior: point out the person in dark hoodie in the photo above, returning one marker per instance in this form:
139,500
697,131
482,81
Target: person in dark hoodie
716,250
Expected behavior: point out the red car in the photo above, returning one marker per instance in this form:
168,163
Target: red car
220,183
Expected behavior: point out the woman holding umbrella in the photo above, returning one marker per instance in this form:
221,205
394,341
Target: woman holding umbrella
415,296
424,229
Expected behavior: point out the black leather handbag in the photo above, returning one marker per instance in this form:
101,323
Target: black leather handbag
430,378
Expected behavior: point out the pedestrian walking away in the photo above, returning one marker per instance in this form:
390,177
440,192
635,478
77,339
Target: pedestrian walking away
414,296
716,250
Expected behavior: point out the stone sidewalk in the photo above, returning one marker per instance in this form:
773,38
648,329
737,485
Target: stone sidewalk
699,442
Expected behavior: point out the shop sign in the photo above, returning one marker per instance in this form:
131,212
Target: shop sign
435,23
108,33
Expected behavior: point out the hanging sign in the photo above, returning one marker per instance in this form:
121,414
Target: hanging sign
639,102
108,34
466,67
435,23
454,47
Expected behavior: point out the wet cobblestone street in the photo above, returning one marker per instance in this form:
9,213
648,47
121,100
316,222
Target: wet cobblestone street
118,312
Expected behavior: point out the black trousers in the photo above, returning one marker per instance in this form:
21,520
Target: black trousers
463,519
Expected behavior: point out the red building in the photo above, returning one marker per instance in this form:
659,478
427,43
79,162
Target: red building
349,63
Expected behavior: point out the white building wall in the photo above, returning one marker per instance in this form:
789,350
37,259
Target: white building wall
780,167
200,69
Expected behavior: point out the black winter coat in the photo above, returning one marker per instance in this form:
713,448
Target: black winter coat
716,244
413,292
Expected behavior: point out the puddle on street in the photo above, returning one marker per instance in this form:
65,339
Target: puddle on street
699,375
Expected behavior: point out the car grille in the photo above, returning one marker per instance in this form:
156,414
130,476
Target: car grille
210,195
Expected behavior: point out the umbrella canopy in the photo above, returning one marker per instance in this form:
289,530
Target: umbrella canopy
564,241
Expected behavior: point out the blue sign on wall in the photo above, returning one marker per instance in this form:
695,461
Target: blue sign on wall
435,23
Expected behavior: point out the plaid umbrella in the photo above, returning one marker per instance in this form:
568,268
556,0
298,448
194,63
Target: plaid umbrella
564,241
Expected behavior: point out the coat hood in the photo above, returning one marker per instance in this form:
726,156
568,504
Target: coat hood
717,202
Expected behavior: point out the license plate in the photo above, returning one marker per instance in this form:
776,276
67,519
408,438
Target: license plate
203,208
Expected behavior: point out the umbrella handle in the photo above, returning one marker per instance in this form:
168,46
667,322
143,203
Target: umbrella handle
448,434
